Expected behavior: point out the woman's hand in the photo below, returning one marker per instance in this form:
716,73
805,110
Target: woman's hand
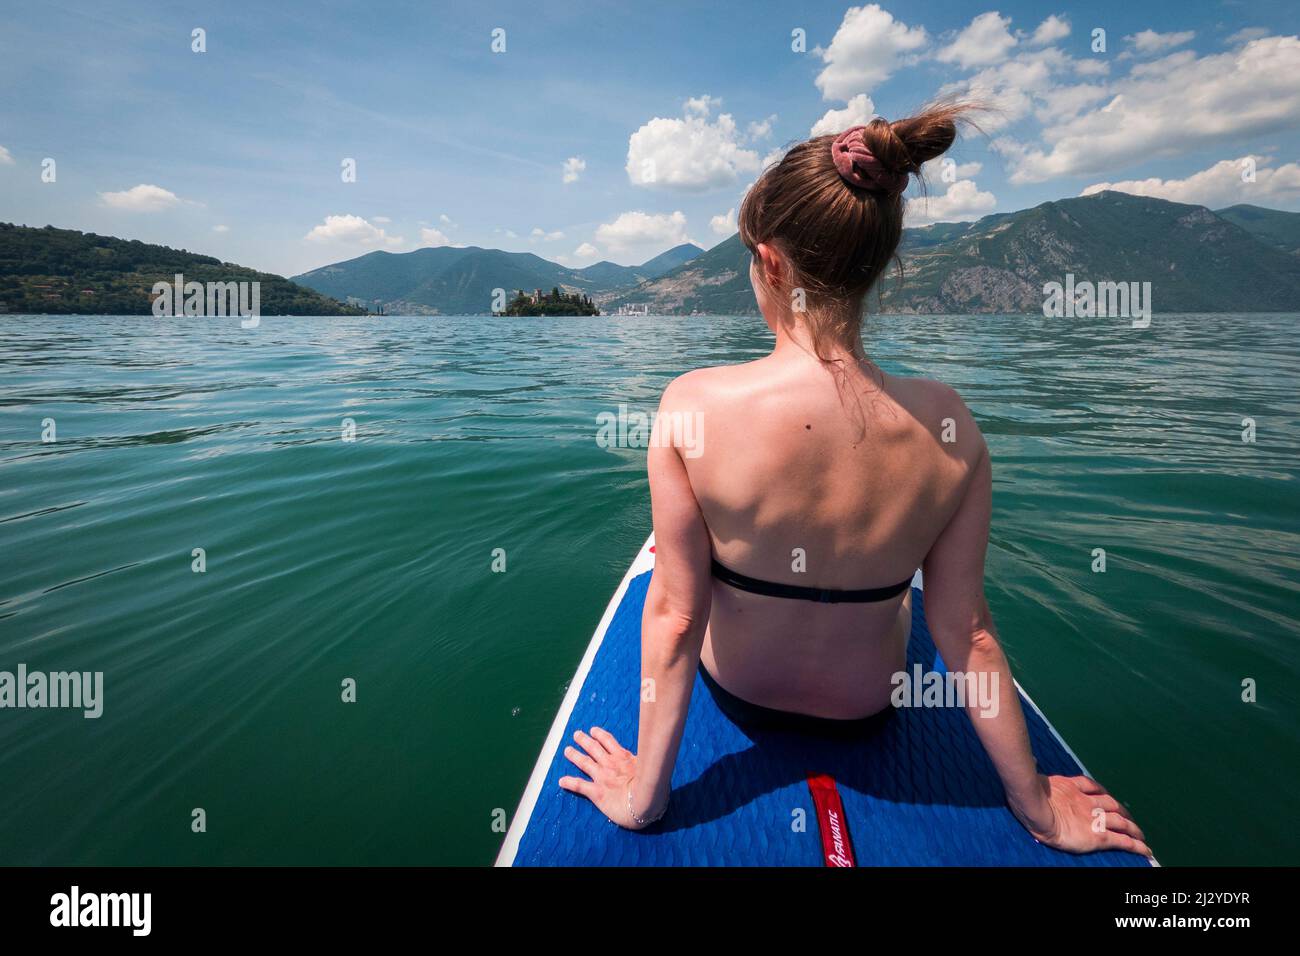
1079,816
611,769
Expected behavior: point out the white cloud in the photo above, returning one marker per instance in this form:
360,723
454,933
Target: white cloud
760,129
220,228
542,234
1012,88
1050,30
1245,35
574,167
724,224
701,105
352,230
1093,67
859,112
1168,106
963,200
511,234
1149,41
985,41
690,154
866,49
1031,80
5,158
635,229
1062,102
586,251
433,238
142,198
383,220
446,220
1220,185
933,170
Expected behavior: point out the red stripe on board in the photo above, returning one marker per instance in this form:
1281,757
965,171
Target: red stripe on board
837,848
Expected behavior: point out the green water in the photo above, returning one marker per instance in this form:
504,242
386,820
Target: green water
372,560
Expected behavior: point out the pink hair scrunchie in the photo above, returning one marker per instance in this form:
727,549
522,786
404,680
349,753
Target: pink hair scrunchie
858,166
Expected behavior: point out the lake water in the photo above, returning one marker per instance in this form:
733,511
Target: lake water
371,559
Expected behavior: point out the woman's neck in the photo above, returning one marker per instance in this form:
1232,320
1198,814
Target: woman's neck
793,339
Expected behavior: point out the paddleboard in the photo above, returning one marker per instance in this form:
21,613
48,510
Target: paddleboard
920,792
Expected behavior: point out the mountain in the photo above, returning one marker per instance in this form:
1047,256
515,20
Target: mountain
611,275
1281,229
1195,260
457,281
63,271
937,233
715,282
669,260
446,279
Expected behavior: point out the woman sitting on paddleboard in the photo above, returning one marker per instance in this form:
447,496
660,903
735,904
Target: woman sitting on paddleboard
787,532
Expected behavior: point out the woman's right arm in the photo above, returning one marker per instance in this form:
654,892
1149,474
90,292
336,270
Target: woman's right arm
1069,813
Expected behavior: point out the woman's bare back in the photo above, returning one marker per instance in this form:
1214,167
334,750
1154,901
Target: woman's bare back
806,480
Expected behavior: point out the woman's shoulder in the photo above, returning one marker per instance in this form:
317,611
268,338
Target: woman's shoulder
928,392
699,386
941,410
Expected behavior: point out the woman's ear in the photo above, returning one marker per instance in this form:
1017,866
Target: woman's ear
771,265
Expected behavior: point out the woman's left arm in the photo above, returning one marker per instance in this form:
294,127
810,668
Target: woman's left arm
672,634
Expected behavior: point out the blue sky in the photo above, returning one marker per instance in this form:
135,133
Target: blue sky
663,112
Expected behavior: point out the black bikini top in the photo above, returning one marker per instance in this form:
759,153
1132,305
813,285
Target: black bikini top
743,582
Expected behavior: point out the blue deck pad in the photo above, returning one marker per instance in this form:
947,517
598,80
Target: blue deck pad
922,792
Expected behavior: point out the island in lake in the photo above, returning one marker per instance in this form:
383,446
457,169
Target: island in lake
554,302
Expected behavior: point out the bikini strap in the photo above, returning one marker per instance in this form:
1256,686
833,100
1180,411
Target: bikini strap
743,582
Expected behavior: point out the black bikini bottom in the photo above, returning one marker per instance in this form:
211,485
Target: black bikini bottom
756,717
